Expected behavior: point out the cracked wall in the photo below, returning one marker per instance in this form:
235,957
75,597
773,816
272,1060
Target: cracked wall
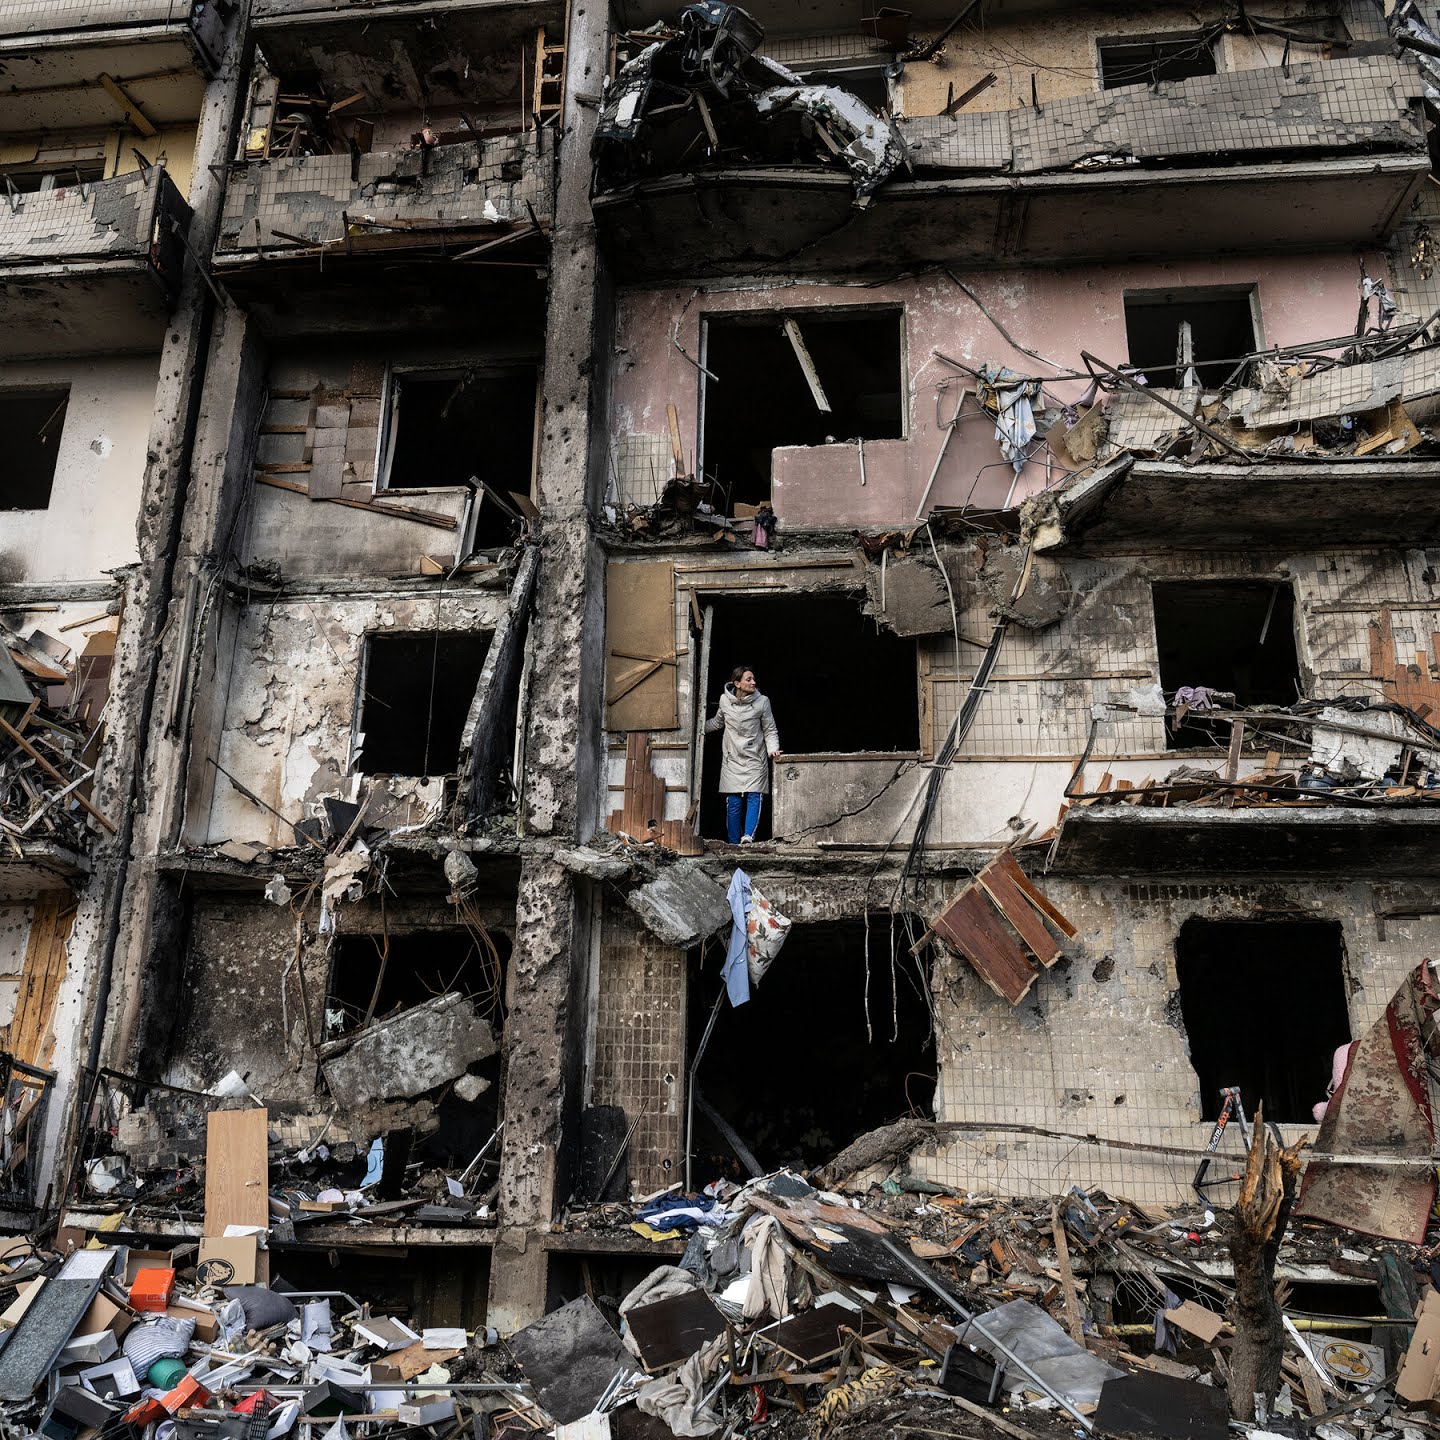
293,684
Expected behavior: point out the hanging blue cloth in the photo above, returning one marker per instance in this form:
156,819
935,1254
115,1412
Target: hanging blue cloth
737,969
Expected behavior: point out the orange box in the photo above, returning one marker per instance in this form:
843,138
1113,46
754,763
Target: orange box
188,1393
152,1290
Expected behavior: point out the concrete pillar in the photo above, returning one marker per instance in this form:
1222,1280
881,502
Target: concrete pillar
553,913
109,904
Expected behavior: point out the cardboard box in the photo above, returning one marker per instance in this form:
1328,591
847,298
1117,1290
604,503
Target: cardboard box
427,1412
207,1327
1418,1380
115,1380
89,1349
234,1257
138,1260
105,1314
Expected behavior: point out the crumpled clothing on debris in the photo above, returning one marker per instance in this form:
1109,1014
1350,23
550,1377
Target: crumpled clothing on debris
1009,397
767,1290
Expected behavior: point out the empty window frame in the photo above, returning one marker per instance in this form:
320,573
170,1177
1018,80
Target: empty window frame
415,694
1146,60
1237,636
461,426
31,421
803,378
46,162
1235,977
1173,332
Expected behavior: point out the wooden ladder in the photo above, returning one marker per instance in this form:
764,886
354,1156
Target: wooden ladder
549,92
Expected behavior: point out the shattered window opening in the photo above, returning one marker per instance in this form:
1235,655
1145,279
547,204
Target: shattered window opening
455,426
416,690
1224,328
32,421
838,684
1231,636
762,397
421,965
1147,61
1264,1007
806,1102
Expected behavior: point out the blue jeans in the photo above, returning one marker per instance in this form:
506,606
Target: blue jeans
750,802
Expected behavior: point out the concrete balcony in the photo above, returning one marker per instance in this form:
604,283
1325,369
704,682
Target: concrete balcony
390,204
39,866
1326,155
93,268
75,39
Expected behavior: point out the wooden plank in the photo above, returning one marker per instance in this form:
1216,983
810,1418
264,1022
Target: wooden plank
1006,860
1073,1319
677,450
28,1036
971,925
7,729
1232,756
377,507
237,1189
1014,905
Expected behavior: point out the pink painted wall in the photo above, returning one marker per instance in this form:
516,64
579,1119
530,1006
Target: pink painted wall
1057,313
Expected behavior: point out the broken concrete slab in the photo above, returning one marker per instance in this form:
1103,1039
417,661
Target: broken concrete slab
1047,595
909,597
593,863
682,905
410,1053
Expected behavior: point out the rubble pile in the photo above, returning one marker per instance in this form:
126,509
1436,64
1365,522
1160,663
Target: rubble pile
52,703
1352,751
886,1298
124,1341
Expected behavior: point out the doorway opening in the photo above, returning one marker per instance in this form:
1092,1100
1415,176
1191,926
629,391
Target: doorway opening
1263,1004
1226,635
797,1096
836,681
806,378
1205,329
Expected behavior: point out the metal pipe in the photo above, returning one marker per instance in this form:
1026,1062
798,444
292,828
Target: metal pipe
690,1089
923,1275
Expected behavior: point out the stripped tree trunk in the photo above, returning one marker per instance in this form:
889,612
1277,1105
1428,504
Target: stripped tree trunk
1258,1226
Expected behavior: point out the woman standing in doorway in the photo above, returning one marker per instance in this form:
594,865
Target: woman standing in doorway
751,742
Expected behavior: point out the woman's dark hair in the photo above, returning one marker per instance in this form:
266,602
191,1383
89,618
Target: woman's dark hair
739,673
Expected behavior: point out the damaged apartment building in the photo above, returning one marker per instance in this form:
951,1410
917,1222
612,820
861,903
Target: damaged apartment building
415,411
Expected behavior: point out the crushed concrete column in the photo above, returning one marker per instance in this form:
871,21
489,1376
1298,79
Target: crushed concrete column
562,737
